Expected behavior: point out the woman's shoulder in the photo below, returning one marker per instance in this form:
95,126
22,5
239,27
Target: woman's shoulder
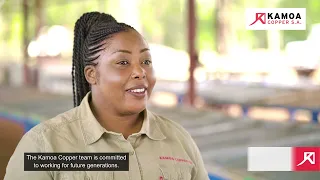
34,139
55,123
170,126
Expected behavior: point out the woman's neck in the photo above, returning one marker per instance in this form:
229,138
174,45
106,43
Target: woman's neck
116,122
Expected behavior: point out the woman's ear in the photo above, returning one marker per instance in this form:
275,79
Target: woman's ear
90,73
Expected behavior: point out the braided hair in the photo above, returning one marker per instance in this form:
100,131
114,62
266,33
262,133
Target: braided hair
91,33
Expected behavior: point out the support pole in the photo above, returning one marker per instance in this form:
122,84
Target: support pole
25,8
192,50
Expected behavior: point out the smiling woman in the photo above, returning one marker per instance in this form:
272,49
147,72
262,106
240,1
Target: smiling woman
113,78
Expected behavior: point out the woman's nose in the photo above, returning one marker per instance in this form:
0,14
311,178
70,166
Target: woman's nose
138,72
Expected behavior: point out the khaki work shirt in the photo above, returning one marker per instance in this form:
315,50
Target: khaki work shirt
162,150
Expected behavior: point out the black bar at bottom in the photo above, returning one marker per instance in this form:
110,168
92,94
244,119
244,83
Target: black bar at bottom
76,161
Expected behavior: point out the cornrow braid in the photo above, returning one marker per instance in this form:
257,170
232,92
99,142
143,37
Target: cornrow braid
91,31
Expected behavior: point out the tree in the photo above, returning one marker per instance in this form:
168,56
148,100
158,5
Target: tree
222,26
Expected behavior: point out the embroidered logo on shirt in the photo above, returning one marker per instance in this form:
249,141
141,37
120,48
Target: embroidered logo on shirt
175,159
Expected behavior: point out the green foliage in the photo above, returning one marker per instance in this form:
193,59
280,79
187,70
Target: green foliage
164,22
313,17
66,14
206,25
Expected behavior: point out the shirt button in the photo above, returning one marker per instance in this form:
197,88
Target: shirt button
132,153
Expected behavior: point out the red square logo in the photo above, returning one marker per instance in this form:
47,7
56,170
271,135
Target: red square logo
306,159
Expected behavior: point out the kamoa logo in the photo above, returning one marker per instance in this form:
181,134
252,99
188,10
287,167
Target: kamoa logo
275,18
260,17
305,159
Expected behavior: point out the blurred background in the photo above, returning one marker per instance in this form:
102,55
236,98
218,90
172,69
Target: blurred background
229,87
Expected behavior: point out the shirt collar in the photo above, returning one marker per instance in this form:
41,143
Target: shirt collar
92,130
151,126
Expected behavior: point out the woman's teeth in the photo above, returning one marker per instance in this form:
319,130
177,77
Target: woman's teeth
137,90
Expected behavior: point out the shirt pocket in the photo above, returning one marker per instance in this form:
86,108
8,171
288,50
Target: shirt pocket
175,171
85,175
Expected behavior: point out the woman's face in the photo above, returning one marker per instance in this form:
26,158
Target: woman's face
125,76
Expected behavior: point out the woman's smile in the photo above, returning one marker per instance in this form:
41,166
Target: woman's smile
139,91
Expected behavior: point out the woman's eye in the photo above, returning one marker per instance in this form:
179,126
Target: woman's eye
123,62
147,62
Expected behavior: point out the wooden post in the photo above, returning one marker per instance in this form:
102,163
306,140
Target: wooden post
25,7
222,27
192,50
39,16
